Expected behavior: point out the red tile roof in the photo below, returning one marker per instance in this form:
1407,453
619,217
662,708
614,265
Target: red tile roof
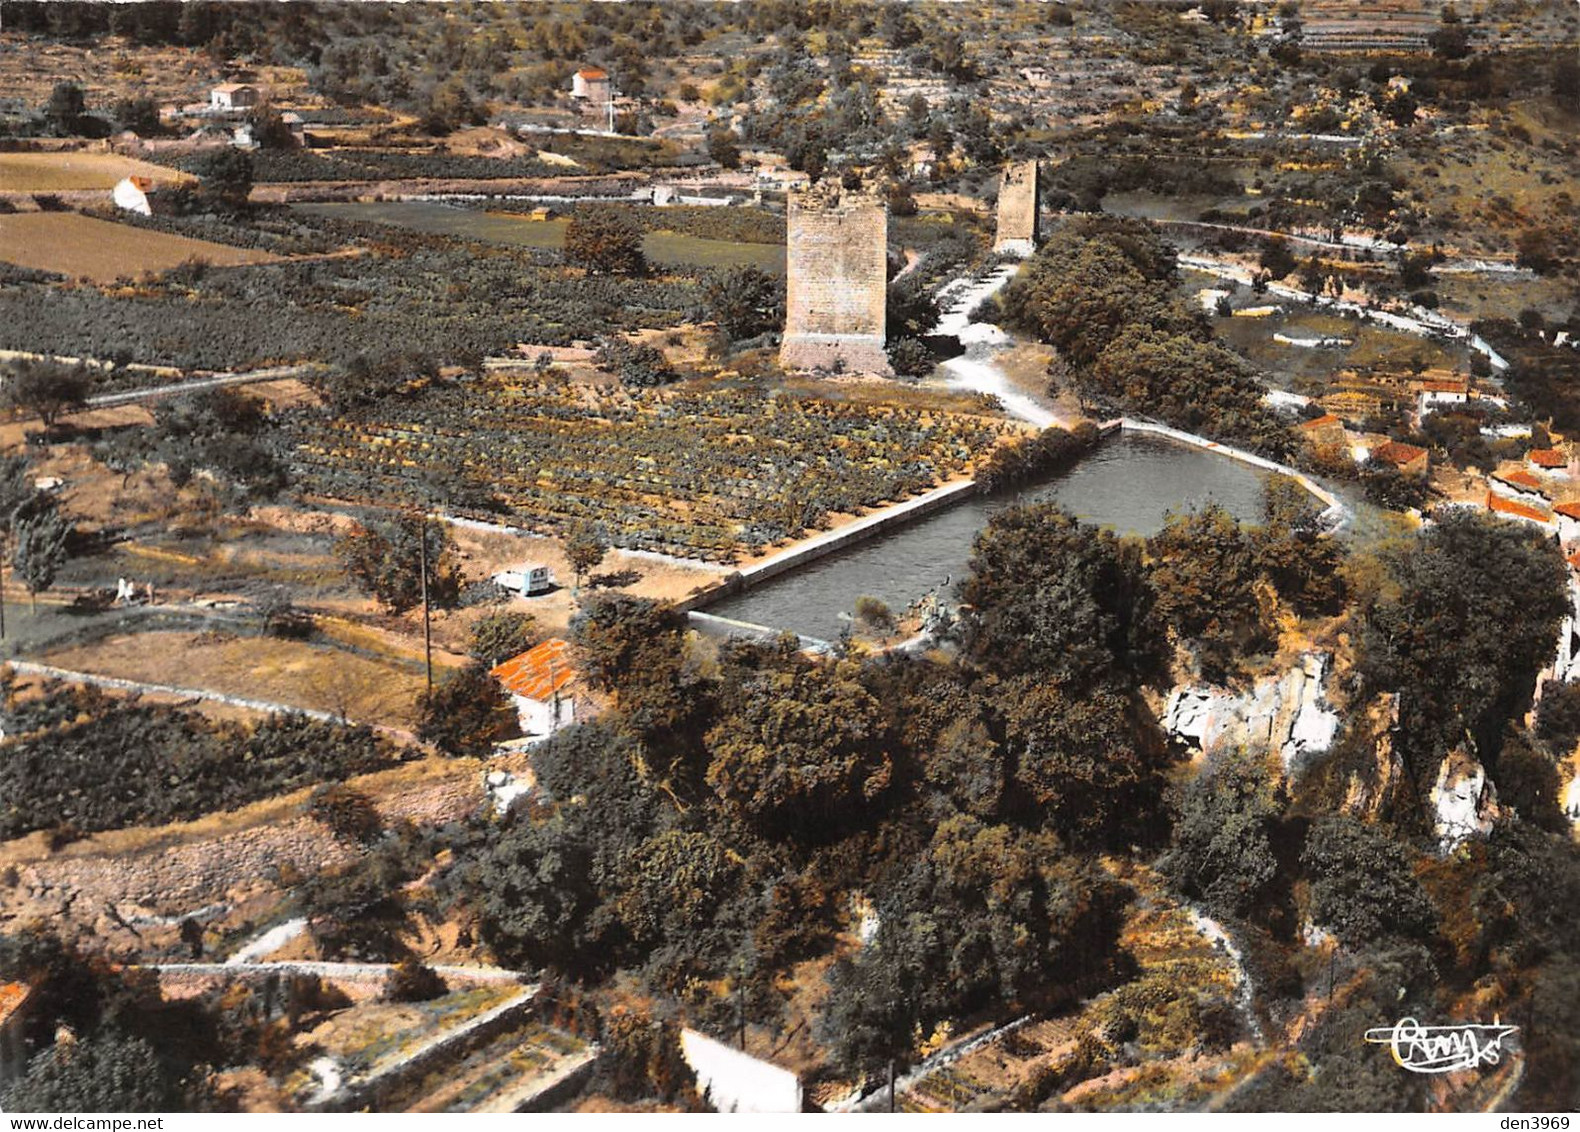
1501,506
1574,560
1520,478
12,996
539,672
592,73
1322,422
1444,387
1397,454
1569,510
1547,457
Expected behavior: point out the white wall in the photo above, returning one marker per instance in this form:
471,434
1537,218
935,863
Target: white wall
539,717
737,1082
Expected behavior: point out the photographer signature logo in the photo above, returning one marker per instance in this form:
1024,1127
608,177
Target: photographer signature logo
1442,1049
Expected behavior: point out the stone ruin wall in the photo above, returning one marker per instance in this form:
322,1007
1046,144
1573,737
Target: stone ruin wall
836,289
1017,209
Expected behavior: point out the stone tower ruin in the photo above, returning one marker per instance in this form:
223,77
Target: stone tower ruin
836,289
1017,209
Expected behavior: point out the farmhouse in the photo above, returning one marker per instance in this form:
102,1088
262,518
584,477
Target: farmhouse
233,96
592,84
131,193
1433,395
544,685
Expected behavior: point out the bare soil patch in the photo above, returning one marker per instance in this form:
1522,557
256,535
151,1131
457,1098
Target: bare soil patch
259,668
56,172
99,250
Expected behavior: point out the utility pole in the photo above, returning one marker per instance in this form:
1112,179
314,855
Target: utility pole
427,625
611,103
740,1008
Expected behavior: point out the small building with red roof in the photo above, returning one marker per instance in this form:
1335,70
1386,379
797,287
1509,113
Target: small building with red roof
1324,431
591,84
1524,512
1518,483
1409,459
1552,461
545,686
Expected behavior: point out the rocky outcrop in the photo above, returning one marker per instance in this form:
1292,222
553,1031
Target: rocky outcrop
1288,714
504,791
1464,801
1372,792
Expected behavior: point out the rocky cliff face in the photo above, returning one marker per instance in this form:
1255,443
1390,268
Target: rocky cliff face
1464,801
1374,790
1288,714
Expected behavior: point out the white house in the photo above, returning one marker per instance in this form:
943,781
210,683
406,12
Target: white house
233,96
1433,395
591,84
1568,515
131,193
1566,665
543,683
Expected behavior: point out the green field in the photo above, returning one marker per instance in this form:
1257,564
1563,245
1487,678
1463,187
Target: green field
665,248
1303,369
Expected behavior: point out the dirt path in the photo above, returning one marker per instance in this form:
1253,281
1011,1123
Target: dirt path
976,369
273,373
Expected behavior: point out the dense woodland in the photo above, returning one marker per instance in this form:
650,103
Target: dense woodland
1101,290
739,805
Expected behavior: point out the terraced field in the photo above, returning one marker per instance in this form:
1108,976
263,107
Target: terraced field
82,247
61,172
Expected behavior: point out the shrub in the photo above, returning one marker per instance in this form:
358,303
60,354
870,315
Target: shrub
910,357
414,981
348,813
638,365
496,637
605,242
